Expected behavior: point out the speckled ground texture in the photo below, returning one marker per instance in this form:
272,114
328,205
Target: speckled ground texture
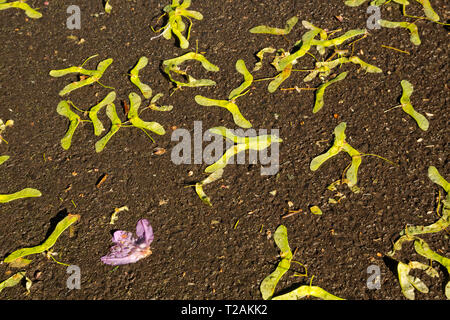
223,251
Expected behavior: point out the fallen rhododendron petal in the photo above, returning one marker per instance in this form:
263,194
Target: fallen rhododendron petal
127,248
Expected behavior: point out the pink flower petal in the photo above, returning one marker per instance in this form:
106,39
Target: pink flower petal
144,231
127,248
